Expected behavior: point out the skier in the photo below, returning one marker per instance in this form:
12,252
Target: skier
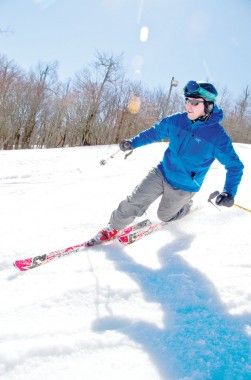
196,139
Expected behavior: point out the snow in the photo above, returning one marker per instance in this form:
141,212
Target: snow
174,306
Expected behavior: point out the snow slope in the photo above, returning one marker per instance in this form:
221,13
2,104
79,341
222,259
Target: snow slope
175,305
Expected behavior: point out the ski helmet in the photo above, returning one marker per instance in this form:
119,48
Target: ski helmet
205,90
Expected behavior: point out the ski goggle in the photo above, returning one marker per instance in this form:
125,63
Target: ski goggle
193,101
193,87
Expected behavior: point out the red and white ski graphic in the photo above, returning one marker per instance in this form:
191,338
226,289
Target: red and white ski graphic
33,262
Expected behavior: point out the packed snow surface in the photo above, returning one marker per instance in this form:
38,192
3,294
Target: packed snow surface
175,305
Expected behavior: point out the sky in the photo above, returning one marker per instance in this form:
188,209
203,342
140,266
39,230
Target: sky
175,305
186,39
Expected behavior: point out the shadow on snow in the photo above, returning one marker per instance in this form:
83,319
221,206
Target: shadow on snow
200,340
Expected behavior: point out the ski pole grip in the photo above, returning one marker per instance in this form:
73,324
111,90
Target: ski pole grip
213,195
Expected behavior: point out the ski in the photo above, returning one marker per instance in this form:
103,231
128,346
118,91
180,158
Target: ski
133,236
34,262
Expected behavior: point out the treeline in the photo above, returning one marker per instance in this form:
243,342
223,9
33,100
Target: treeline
98,106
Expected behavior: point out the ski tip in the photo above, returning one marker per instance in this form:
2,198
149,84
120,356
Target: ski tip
22,265
19,267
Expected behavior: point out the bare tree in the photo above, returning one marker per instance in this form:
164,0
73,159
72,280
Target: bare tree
36,91
93,88
237,121
101,106
10,76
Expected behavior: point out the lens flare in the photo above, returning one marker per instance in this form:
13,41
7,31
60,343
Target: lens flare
137,64
144,34
134,104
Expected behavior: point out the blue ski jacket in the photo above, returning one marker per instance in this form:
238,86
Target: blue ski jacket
193,146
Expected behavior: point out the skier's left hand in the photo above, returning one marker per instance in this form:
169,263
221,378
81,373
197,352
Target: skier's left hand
224,199
125,145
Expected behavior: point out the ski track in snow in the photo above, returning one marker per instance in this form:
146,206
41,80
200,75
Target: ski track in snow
174,306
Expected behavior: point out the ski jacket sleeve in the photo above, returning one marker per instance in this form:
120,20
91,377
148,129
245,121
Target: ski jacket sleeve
227,156
157,132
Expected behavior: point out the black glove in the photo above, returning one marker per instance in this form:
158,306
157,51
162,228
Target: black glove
125,145
224,199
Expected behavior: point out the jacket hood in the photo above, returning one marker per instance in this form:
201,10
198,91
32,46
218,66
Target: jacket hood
216,116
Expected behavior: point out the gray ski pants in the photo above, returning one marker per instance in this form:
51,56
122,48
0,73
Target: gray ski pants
174,203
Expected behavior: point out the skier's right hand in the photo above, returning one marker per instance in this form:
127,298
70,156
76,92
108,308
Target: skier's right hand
125,145
224,199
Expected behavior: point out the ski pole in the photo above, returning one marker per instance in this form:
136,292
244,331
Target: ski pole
103,161
242,208
214,195
128,154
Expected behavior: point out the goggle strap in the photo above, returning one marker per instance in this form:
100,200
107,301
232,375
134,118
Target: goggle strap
206,94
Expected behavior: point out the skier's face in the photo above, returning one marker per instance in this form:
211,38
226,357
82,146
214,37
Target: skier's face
195,108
